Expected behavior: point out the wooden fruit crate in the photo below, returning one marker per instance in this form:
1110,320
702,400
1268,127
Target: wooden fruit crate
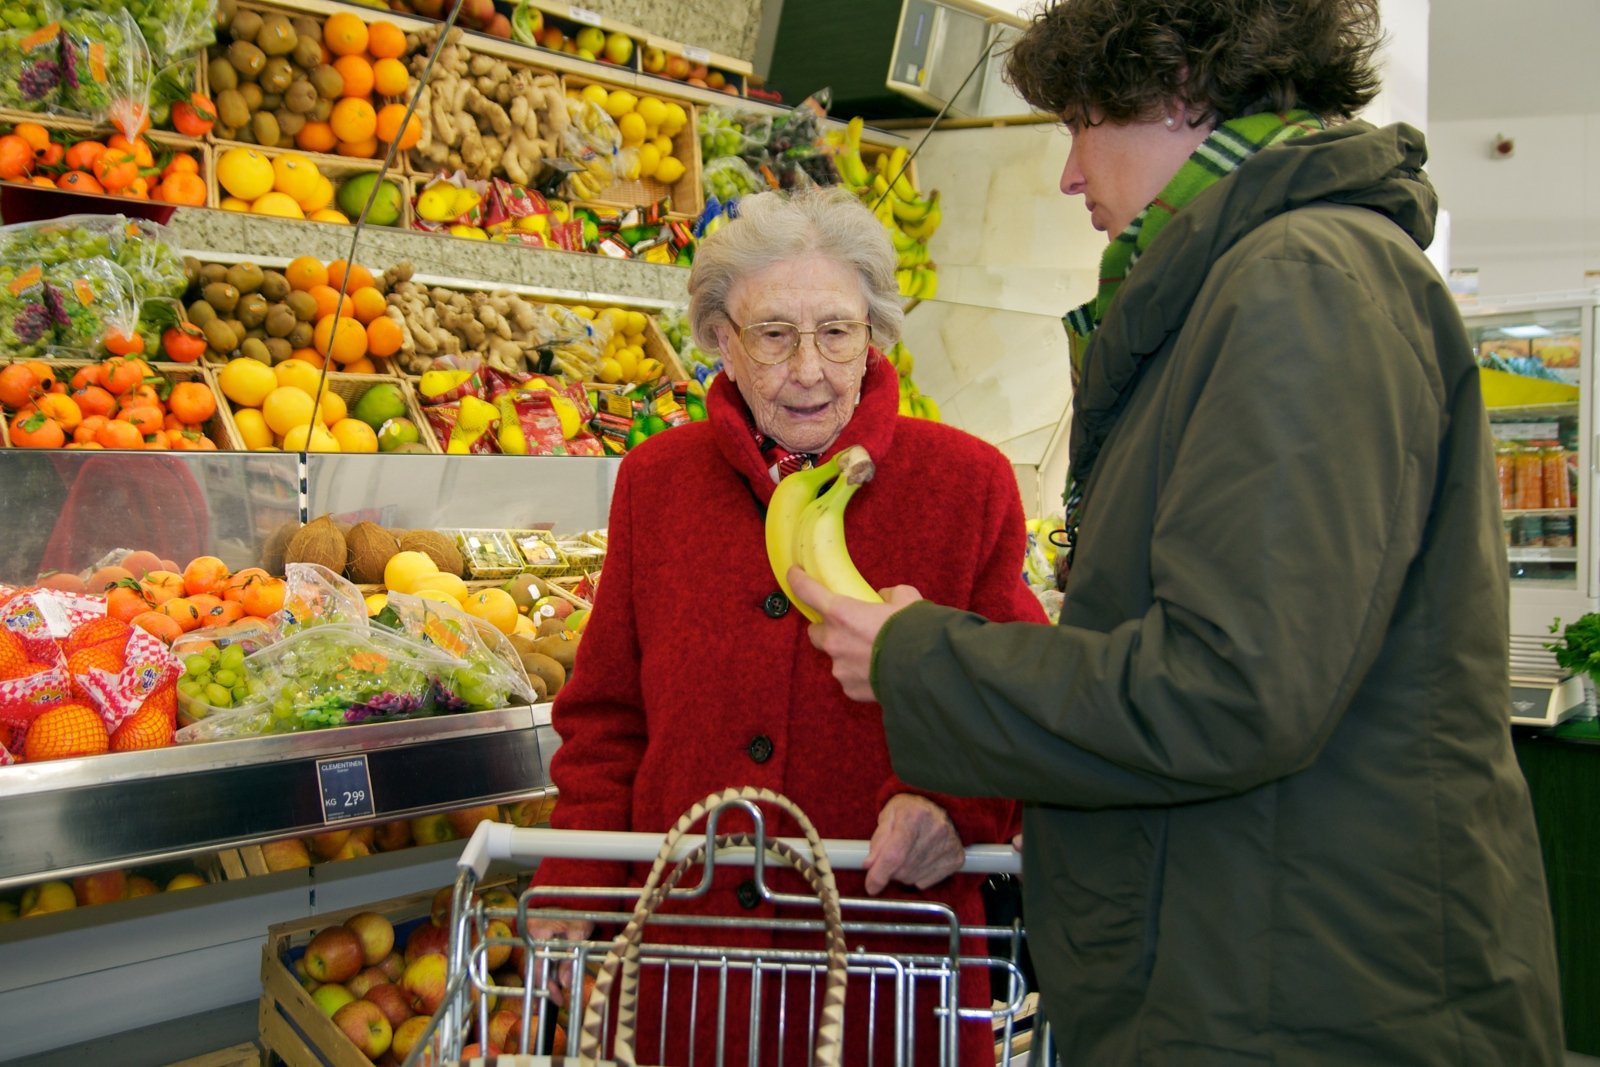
421,166
160,142
335,168
687,196
218,428
351,388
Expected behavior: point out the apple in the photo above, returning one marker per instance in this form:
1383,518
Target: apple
496,954
432,9
591,39
431,829
392,835
286,855
376,934
499,26
427,940
499,898
102,887
391,1000
552,606
424,982
536,22
334,955
369,977
331,997
475,1050
309,983
393,965
716,79
140,886
367,835
351,850
407,1034
570,47
552,38
466,820
699,70
186,880
698,83
326,844
439,908
677,68
366,1026
619,48
654,59
501,1024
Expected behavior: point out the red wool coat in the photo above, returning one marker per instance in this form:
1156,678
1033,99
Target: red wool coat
695,675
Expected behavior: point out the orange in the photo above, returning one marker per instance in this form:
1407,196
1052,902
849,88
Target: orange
38,137
305,272
359,79
360,277
364,365
354,435
385,40
153,622
205,574
315,137
327,298
367,149
390,78
345,34
389,126
95,632
346,342
384,336
102,657
17,385
66,731
149,727
354,121
182,611
308,355
369,304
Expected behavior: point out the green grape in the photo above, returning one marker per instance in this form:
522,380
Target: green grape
212,654
196,666
191,688
232,657
241,693
282,709
225,678
217,695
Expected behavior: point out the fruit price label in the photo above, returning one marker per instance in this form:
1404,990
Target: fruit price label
696,55
584,15
346,788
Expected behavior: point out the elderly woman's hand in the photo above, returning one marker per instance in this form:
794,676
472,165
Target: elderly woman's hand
915,843
560,930
848,628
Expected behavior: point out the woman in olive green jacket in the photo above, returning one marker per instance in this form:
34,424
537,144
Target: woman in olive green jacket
1273,811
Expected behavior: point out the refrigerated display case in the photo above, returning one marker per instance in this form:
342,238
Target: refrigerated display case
1537,366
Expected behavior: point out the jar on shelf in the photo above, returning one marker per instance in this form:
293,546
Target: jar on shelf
1529,477
1557,493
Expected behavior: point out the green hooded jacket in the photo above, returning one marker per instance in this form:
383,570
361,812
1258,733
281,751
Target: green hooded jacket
1273,813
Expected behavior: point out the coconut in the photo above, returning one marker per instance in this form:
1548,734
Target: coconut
370,548
437,547
277,544
319,542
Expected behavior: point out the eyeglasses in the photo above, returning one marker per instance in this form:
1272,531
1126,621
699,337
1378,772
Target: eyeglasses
771,343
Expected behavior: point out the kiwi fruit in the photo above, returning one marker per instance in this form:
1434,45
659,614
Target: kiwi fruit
227,11
254,333
201,313
265,127
277,36
223,76
289,123
301,335
279,350
221,296
525,589
437,547
307,53
300,97
276,76
280,321
274,286
329,83
231,108
551,625
252,310
245,26
371,547
303,304
223,132
221,337
255,348
547,670
245,134
245,277
246,58
237,327
308,28
252,95
213,272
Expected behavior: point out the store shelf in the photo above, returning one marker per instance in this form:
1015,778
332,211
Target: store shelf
1532,411
68,817
1512,513
1542,555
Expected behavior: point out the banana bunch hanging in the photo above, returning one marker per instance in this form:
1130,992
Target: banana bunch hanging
805,526
913,401
909,217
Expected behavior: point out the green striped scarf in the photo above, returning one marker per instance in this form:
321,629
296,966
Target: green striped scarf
1218,156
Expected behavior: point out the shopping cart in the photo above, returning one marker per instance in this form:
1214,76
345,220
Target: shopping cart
792,997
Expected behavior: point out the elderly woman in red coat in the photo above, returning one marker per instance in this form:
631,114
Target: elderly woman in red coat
697,674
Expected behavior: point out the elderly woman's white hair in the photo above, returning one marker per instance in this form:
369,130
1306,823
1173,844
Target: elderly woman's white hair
773,227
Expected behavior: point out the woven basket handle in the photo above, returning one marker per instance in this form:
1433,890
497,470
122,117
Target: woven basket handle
623,957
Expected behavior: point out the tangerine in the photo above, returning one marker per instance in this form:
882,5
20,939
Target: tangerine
385,40
161,586
34,429
158,624
126,602
359,78
345,34
236,586
342,339
205,574
357,149
223,614
360,277
38,137
389,126
117,433
390,77
93,400
17,385
66,731
182,611
16,156
315,137
182,188
304,272
192,402
384,336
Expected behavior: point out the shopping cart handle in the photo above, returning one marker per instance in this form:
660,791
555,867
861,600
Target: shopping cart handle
497,841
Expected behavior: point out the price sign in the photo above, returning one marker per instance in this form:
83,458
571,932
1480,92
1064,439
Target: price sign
584,15
696,55
346,788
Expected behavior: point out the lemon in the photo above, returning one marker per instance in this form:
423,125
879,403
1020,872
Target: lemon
469,231
649,159
440,597
663,145
320,196
610,371
233,203
595,94
632,128
405,569
332,409
448,584
525,625
648,370
637,323
376,602
627,363
327,214
567,412
279,205
669,171
354,435
616,318
246,381
308,438
674,120
253,429
245,173
435,203
287,408
298,373
620,102
583,311
652,110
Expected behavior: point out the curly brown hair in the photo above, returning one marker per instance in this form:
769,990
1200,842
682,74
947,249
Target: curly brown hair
1124,60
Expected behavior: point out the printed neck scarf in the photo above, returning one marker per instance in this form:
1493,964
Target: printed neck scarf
1219,155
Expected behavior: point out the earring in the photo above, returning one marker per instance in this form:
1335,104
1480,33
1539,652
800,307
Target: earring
1172,122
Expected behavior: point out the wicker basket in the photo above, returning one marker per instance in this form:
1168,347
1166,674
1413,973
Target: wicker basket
335,168
687,197
351,388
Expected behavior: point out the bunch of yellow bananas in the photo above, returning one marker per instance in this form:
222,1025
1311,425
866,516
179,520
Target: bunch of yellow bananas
913,401
909,217
805,526
592,140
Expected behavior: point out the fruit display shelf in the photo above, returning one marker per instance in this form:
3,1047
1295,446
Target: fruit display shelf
337,169
63,818
688,198
218,427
